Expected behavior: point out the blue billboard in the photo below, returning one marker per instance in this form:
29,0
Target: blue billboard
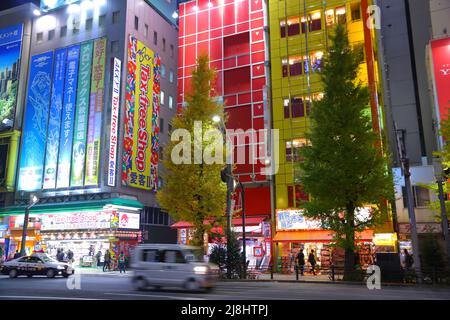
67,118
35,122
10,51
54,124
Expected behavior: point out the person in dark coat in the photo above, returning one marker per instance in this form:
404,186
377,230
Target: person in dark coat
16,255
70,256
301,261
107,263
312,262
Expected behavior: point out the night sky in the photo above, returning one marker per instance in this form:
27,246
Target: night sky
5,4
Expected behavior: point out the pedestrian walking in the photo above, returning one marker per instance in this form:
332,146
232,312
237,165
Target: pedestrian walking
409,261
98,256
16,255
107,263
122,262
301,261
69,256
312,262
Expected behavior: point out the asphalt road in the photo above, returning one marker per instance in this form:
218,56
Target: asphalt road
118,287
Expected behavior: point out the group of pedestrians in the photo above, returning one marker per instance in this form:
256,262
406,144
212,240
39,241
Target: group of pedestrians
108,260
61,256
301,262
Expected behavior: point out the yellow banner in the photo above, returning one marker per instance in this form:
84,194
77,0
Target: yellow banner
140,176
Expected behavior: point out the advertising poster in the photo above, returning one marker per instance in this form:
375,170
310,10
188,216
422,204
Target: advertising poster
81,117
114,123
129,220
95,113
76,221
441,63
54,127
68,117
140,161
35,122
10,50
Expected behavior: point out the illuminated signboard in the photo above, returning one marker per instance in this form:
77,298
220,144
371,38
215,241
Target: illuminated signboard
295,220
141,141
441,66
129,220
76,221
10,50
114,123
95,113
35,122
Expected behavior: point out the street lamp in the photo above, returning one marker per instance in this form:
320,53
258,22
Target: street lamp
440,179
33,200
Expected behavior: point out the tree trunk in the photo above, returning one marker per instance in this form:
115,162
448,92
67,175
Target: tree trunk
349,267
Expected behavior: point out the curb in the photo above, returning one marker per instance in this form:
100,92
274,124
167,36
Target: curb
322,282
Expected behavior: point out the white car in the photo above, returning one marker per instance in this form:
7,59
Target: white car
36,264
166,265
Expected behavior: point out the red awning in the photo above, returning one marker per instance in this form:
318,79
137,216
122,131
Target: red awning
182,225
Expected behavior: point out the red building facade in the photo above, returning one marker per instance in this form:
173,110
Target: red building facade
232,33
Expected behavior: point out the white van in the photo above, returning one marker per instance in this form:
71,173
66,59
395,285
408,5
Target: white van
171,265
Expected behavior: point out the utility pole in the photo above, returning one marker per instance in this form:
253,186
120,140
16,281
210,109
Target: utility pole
33,201
441,179
401,146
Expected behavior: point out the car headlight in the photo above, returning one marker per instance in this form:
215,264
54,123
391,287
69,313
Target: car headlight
60,267
201,270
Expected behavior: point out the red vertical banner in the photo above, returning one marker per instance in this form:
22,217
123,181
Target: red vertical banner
441,68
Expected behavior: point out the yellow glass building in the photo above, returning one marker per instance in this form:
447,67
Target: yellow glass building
299,37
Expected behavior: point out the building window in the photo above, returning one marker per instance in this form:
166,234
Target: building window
296,196
164,44
293,149
136,23
102,20
40,37
171,76
76,27
63,31
155,38
146,30
329,17
421,197
89,24
171,50
115,46
161,125
162,97
163,70
293,27
115,17
315,22
170,102
51,35
316,61
356,11
341,17
293,66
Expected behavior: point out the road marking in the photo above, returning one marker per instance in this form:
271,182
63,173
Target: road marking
153,295
47,298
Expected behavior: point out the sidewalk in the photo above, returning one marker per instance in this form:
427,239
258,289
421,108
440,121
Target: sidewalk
99,271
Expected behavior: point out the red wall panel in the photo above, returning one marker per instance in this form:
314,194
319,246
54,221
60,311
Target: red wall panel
216,18
257,35
243,27
190,55
256,5
191,24
203,21
236,45
229,16
203,48
237,80
258,109
239,117
258,70
242,11
258,83
203,36
216,49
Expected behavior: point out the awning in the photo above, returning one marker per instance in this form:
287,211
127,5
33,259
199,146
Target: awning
316,235
182,225
71,206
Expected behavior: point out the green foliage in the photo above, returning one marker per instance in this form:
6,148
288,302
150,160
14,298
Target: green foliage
218,254
432,253
193,191
234,259
8,103
343,169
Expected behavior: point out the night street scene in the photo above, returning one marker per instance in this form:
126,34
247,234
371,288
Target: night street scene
248,152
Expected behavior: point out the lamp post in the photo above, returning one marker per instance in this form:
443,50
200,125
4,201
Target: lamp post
244,246
226,176
440,179
33,200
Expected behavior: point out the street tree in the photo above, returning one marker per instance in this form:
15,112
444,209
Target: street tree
343,168
192,189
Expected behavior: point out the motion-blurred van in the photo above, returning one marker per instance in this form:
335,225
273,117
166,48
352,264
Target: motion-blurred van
170,265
